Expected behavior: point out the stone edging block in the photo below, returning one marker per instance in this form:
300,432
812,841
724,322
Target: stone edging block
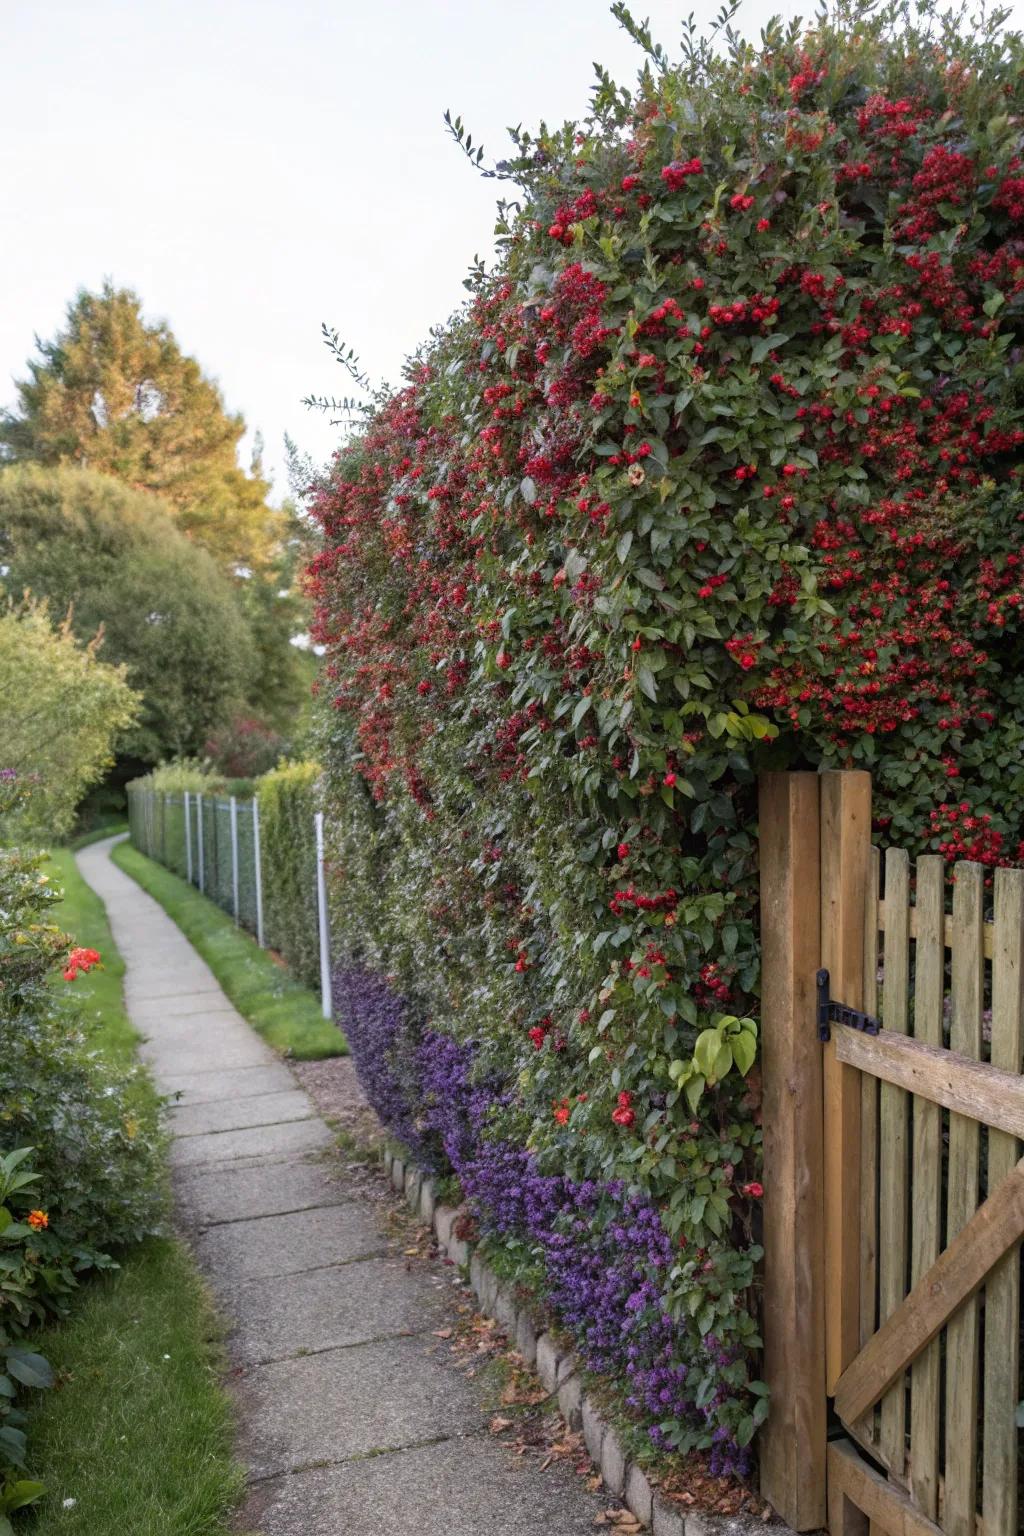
557,1369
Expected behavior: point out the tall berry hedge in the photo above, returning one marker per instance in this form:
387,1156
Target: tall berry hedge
717,471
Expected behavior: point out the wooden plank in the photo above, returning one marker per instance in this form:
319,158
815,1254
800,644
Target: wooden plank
793,1439
939,1296
987,931
926,1206
1002,1291
845,872
855,1487
972,1089
867,1431
963,1175
894,1146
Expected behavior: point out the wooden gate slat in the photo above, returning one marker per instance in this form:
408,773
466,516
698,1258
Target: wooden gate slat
941,1296
964,1166
845,870
1002,1291
887,1509
926,1206
869,1087
894,1145
970,1088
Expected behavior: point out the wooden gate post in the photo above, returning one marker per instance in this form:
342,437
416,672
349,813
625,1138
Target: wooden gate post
846,870
793,1440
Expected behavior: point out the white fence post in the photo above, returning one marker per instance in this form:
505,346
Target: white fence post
321,908
257,868
188,838
234,855
202,860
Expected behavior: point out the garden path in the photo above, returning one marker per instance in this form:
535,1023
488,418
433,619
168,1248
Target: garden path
351,1416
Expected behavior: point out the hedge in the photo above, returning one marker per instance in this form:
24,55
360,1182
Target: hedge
717,471
287,805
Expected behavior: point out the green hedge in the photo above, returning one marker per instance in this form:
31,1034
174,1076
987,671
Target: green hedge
287,802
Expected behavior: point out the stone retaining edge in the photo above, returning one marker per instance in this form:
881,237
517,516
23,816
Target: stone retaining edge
556,1368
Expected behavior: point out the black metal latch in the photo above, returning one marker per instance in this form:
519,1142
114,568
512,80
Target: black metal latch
831,1012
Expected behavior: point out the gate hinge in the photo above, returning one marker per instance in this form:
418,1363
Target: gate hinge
831,1012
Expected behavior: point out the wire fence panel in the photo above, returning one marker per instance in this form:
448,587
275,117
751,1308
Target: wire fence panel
215,843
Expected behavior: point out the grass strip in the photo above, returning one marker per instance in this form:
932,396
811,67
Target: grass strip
137,1434
83,915
278,1007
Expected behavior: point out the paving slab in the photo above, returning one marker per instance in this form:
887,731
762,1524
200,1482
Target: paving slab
207,1087
261,1141
236,1114
322,1309
373,1398
168,1056
459,1488
225,1193
285,1245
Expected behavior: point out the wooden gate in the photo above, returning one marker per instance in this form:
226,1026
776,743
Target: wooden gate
894,1182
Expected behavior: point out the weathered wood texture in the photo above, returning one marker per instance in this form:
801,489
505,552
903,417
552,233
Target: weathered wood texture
964,1170
971,1088
939,1296
926,1205
793,1441
845,871
1002,1291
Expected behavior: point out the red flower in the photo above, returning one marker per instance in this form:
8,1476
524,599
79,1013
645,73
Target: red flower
80,960
753,1189
669,780
623,850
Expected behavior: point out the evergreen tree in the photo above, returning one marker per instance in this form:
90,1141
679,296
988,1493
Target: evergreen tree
115,393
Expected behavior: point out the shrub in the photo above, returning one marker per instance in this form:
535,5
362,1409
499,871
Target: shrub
288,801
718,471
91,1125
61,710
113,557
245,747
94,1182
28,1285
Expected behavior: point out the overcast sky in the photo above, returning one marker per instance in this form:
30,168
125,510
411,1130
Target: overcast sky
254,167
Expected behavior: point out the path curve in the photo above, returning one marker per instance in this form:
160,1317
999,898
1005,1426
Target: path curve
351,1417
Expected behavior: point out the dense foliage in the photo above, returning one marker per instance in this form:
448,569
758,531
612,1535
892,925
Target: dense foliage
62,709
80,1168
287,804
115,392
115,558
717,471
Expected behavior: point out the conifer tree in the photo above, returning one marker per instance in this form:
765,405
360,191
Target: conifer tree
115,393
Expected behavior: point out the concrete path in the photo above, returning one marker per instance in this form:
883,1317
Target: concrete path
351,1416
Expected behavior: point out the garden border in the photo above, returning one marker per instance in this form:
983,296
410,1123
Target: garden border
556,1367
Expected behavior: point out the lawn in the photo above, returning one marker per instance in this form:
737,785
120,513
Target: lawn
137,1434
284,1012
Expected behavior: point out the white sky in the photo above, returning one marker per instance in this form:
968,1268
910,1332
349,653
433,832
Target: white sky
253,167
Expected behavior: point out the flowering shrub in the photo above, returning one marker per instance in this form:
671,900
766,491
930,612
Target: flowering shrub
718,471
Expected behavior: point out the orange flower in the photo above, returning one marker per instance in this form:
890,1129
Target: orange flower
38,1220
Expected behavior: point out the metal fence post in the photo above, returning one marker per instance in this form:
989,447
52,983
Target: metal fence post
257,869
188,838
234,855
321,908
199,825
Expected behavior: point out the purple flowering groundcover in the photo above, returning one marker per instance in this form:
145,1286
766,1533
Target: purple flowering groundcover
606,1257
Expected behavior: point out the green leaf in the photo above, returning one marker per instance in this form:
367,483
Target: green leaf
647,685
30,1369
624,545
